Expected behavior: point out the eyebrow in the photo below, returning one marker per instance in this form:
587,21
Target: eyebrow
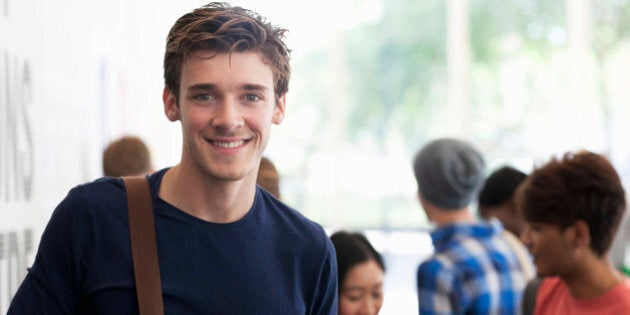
360,288
201,87
254,87
211,87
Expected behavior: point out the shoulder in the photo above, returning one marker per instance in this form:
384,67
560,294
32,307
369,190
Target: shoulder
286,221
464,258
623,297
436,267
551,291
101,188
498,247
110,191
550,283
86,208
620,294
304,240
101,197
615,301
625,285
286,217
436,262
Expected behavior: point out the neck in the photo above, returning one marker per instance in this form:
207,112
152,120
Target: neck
594,277
205,198
446,217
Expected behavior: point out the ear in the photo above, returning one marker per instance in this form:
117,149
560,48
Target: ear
171,109
526,234
426,207
581,235
278,113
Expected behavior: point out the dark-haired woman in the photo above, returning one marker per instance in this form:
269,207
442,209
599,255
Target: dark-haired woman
361,271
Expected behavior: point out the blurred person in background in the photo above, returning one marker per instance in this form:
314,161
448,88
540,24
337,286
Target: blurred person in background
268,177
127,156
573,206
361,271
497,200
473,270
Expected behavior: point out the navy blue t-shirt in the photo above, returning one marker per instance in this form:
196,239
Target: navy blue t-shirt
272,261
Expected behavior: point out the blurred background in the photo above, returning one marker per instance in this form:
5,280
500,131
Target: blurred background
373,80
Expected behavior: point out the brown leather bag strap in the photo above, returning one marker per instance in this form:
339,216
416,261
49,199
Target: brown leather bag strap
144,246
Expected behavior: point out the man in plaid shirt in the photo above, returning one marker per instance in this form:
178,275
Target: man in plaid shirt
473,269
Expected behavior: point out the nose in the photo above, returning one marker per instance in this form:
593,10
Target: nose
368,307
227,115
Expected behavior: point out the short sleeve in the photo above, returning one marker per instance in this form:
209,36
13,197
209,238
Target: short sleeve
325,301
50,286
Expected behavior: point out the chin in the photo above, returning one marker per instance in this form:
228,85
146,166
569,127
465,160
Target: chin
224,175
228,177
541,272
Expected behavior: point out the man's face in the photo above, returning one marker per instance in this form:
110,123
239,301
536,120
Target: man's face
551,247
507,214
226,107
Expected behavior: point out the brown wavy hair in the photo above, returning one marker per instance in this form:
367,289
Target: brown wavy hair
579,186
222,28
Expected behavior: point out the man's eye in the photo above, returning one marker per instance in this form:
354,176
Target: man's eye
377,294
252,97
203,97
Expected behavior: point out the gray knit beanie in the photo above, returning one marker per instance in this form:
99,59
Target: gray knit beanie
449,173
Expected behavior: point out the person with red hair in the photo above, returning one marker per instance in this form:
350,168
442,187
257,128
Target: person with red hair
573,206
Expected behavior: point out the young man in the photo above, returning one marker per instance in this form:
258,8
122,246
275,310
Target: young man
497,200
473,269
225,246
573,206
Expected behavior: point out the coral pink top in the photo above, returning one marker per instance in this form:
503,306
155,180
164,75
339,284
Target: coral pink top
554,297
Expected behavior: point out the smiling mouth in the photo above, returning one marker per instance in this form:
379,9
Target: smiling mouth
228,145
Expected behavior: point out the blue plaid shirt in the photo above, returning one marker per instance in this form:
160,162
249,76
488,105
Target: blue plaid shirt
473,271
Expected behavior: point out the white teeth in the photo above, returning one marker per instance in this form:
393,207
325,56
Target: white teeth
229,145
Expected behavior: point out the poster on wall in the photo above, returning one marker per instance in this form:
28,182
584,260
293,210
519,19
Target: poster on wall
42,154
17,172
